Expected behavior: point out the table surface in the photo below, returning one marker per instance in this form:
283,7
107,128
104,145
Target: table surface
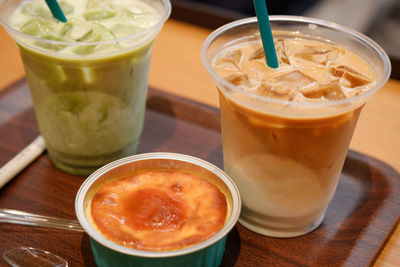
176,68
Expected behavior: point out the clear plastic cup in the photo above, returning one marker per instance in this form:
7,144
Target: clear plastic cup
89,106
286,157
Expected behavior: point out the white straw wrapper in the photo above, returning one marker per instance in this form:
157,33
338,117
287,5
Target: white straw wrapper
21,160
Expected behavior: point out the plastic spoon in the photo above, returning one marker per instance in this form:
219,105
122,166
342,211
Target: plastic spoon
32,257
26,218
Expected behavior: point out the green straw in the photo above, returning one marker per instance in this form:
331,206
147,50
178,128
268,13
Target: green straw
266,33
56,10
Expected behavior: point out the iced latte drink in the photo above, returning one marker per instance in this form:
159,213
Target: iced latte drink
286,131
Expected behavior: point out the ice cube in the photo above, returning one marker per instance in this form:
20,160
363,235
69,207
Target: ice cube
66,8
91,32
36,9
50,46
287,85
99,14
353,80
264,89
281,52
36,27
49,72
122,30
320,74
232,58
339,71
295,79
225,67
258,54
84,49
80,31
141,18
314,54
96,34
281,91
88,75
65,29
349,77
100,32
310,88
238,79
331,91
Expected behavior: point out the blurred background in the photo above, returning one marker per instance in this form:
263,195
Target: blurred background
378,19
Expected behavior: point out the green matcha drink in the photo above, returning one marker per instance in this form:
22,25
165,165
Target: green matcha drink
87,77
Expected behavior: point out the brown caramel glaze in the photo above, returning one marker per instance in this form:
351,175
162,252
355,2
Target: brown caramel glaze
154,209
159,210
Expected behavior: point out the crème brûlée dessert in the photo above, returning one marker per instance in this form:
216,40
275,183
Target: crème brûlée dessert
158,210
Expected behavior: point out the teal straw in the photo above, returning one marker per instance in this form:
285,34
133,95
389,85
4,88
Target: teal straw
266,33
56,10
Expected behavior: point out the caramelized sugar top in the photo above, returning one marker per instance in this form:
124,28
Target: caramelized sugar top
309,70
159,210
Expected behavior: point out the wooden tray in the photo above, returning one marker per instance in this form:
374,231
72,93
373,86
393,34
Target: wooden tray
362,215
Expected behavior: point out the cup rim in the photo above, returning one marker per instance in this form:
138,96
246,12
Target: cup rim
155,27
231,222
360,37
